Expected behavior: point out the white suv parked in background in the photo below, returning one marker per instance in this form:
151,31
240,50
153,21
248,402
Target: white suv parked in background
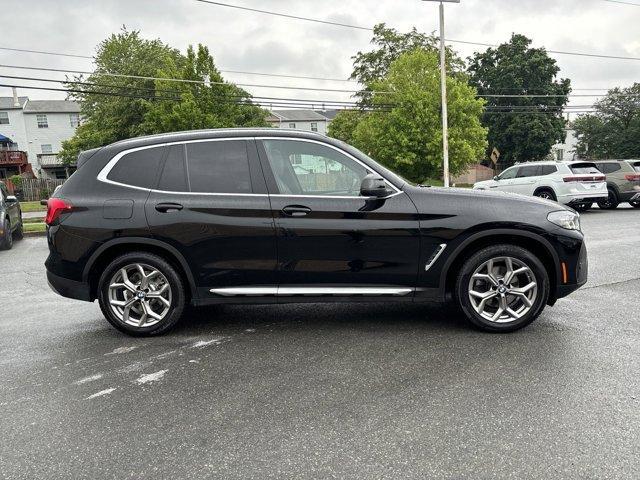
577,184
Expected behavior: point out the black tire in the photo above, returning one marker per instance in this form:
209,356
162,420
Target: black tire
635,204
505,250
176,285
546,193
611,203
6,242
582,207
18,233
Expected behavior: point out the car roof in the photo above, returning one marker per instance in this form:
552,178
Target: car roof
216,133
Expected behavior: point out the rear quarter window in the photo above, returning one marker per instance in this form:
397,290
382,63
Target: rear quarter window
584,168
636,166
139,168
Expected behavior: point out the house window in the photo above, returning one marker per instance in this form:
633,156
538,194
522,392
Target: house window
314,127
41,118
46,148
292,125
4,118
74,119
560,154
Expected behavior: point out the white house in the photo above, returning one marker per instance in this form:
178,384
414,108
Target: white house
307,120
37,128
567,150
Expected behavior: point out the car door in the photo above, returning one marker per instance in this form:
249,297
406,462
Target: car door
12,207
525,179
505,180
331,240
211,204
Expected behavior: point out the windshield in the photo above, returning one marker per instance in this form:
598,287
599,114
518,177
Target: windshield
585,167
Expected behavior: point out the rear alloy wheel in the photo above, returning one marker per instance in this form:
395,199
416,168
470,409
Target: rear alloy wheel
611,202
6,240
546,194
141,294
502,288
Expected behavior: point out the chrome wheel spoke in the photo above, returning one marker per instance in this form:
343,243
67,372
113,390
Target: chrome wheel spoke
139,295
502,289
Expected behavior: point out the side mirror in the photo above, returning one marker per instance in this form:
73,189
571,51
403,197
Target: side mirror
374,186
12,199
496,178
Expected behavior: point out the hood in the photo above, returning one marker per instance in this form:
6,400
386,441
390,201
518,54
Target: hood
491,205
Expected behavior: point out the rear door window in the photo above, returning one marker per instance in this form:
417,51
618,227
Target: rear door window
138,168
584,168
548,169
218,167
528,171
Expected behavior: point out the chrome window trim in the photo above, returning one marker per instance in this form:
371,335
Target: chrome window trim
104,173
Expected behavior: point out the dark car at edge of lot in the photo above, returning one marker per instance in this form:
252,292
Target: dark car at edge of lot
623,182
151,224
10,218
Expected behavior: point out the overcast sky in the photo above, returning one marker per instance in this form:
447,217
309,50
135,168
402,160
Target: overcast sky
241,40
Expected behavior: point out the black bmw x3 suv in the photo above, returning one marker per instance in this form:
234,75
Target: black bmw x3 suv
149,225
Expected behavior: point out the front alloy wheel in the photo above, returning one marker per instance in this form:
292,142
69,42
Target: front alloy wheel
502,288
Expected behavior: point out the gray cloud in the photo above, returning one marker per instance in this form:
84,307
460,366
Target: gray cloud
250,41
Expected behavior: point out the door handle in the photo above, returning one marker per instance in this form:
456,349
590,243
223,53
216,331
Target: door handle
168,207
296,210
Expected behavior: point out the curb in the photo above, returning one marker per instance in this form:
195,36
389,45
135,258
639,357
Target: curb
35,234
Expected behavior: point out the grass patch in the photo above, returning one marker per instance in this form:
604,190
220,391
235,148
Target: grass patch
35,227
32,207
32,220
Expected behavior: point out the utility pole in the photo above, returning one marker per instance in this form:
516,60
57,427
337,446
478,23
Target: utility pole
443,93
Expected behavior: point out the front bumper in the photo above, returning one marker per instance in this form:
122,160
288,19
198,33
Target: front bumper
69,288
577,274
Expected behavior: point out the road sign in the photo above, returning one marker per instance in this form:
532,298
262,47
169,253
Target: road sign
495,155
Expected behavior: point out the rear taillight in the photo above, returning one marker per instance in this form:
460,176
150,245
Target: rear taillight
632,177
55,208
594,178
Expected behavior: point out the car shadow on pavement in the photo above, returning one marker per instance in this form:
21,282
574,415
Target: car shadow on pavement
363,316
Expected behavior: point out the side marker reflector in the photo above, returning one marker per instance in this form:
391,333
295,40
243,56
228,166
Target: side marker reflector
565,276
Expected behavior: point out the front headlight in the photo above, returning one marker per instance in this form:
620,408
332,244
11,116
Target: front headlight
565,219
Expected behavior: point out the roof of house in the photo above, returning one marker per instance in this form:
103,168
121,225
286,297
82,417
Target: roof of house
328,114
51,106
295,116
6,103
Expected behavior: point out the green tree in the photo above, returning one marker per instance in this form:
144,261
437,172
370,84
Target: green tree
343,126
522,128
613,131
373,66
117,107
407,136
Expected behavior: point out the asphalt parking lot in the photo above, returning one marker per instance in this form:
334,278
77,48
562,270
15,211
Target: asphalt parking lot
316,391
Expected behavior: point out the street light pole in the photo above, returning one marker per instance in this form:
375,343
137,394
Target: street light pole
443,94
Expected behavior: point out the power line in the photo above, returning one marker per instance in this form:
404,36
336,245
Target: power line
623,3
316,20
278,14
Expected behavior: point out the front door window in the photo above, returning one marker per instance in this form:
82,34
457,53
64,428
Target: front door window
306,168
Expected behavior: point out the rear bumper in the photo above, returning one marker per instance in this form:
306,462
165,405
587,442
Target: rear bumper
69,288
579,199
